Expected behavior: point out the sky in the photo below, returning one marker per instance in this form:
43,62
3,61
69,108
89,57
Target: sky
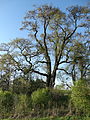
13,11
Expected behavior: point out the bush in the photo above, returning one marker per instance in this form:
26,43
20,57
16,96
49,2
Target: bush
81,97
23,86
7,100
20,86
34,85
1,99
41,97
23,105
60,97
6,103
51,100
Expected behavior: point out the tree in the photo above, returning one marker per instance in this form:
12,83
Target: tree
79,65
7,66
22,86
50,33
5,73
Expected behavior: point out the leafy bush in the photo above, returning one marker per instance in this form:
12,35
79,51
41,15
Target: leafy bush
6,104
81,97
1,107
51,99
22,105
35,85
23,86
8,101
60,97
20,86
41,97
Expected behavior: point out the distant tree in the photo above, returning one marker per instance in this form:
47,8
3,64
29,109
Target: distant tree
22,86
5,72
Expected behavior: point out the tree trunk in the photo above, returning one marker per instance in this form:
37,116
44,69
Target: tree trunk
51,80
48,81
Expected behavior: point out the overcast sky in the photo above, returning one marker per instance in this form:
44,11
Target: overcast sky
13,11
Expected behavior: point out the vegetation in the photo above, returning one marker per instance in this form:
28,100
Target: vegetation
81,97
56,118
55,47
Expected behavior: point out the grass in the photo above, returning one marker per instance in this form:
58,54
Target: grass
55,118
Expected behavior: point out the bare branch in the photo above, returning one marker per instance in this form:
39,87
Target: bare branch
70,35
65,62
39,72
64,71
41,62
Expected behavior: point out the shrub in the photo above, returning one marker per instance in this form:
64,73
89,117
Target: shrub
60,97
41,97
6,104
34,85
20,86
22,105
51,99
81,97
6,101
1,99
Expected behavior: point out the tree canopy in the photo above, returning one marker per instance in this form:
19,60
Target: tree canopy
55,38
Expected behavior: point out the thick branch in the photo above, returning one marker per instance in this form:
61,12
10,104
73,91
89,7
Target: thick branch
62,29
86,69
44,39
64,71
63,45
47,57
70,35
35,35
39,72
65,62
41,62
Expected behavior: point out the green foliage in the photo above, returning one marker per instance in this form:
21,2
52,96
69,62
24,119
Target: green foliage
57,118
73,118
35,85
1,99
23,86
6,104
60,97
41,97
51,44
8,101
22,105
51,98
81,97
20,86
